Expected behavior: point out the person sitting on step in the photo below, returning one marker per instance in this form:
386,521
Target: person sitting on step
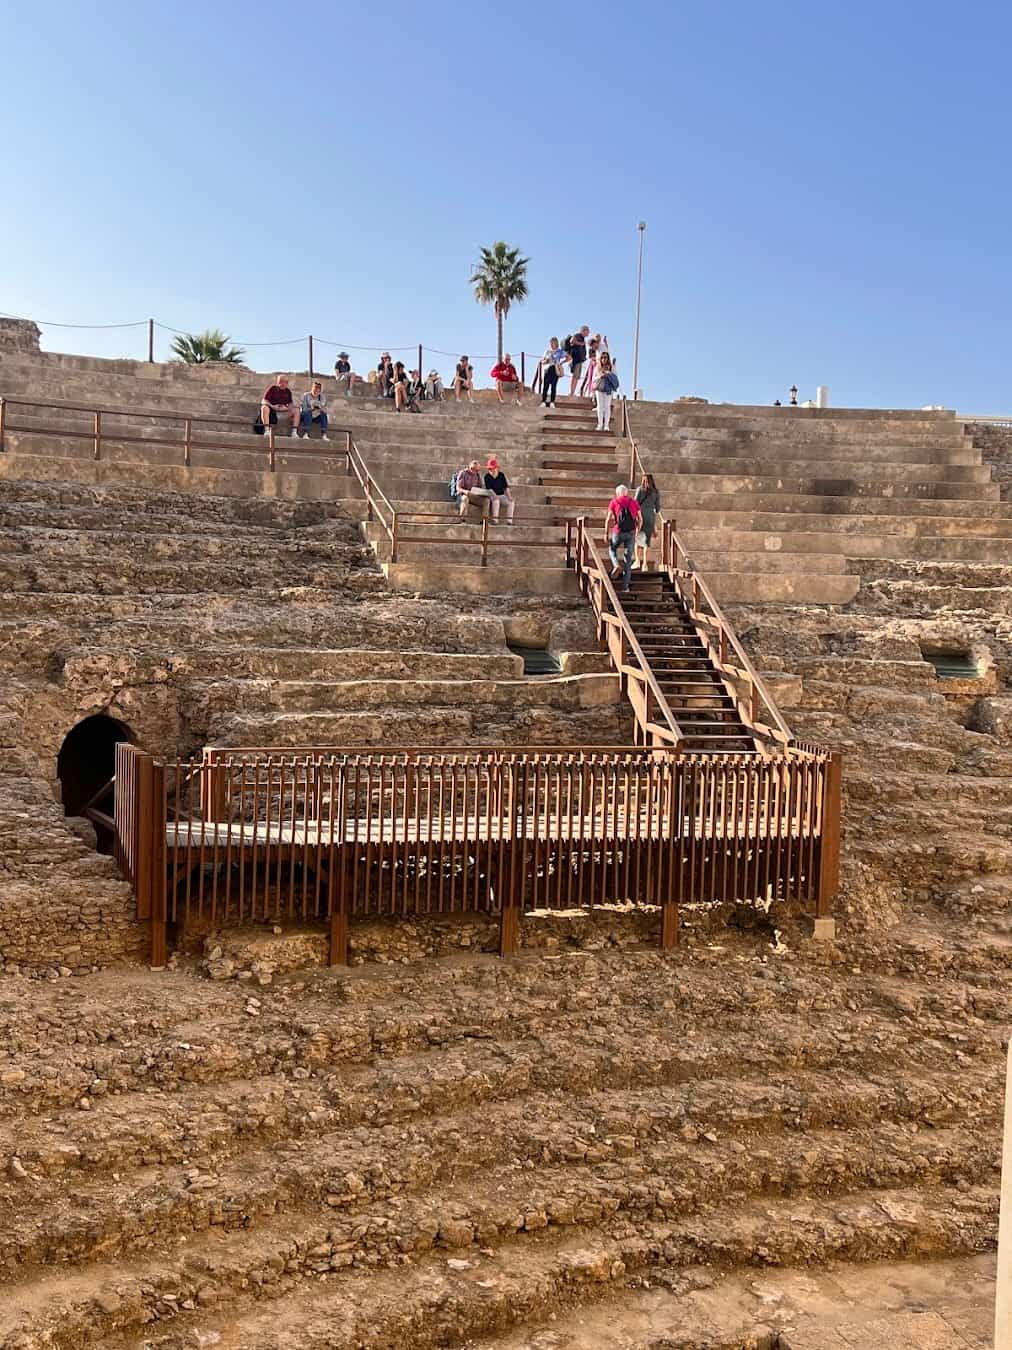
314,409
344,375
278,402
498,486
385,376
434,386
463,380
400,383
507,381
620,526
471,491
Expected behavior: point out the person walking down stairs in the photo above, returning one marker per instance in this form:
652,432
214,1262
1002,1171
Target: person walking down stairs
650,503
620,526
605,388
551,368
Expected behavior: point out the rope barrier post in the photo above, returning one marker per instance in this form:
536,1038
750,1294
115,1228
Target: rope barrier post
310,356
523,369
151,342
420,375
97,453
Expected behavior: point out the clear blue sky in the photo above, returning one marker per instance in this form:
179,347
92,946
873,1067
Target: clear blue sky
826,185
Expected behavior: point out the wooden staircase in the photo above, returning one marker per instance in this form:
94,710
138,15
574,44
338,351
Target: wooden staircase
580,468
703,706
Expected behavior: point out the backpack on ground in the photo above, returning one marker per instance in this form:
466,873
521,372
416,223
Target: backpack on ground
454,494
258,426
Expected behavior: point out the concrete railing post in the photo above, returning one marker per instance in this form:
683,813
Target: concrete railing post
1003,1299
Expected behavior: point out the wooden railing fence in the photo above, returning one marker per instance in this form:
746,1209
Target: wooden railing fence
248,836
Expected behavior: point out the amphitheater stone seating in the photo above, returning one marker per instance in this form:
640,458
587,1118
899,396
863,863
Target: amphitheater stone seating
595,1141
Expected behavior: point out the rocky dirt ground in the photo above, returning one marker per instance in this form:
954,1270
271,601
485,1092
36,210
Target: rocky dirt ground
753,1141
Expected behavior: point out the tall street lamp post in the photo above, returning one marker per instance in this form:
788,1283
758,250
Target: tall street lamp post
639,291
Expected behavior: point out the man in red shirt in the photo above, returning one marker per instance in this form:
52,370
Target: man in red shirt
620,525
506,378
277,402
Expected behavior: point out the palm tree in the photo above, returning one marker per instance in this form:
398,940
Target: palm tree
500,279
212,345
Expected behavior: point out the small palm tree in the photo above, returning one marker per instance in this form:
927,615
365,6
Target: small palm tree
500,279
212,345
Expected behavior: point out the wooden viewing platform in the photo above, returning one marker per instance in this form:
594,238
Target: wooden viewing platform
323,834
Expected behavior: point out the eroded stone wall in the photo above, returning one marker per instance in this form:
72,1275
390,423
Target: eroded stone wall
995,445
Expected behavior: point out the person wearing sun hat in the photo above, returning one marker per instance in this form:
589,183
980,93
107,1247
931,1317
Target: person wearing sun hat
344,375
499,488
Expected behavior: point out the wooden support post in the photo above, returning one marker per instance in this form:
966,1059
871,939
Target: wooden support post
145,815
832,808
569,541
723,645
3,422
484,541
271,456
393,538
187,440
159,915
368,496
97,453
338,954
151,341
669,925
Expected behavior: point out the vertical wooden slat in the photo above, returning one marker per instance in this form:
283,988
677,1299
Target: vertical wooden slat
159,933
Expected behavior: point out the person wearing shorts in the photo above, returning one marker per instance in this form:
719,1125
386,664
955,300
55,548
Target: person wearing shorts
279,402
507,381
577,356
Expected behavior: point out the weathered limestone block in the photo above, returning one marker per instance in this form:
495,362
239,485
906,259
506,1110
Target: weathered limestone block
19,335
994,716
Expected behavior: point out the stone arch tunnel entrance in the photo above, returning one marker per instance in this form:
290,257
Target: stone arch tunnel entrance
85,764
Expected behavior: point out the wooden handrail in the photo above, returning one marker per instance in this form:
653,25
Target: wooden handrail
672,549
590,568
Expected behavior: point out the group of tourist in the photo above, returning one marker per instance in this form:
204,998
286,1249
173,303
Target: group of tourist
488,491
586,358
279,402
591,372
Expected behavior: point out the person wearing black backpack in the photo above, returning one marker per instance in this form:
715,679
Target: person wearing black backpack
620,526
577,350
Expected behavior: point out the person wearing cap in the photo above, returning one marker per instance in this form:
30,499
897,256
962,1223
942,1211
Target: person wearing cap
498,486
344,375
507,380
470,490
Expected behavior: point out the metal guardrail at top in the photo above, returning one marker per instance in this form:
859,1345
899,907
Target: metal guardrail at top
182,423
986,419
755,702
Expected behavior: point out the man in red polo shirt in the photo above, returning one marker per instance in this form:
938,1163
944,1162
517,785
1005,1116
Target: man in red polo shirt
277,402
506,378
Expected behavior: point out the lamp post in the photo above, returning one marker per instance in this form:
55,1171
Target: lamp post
794,395
642,226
